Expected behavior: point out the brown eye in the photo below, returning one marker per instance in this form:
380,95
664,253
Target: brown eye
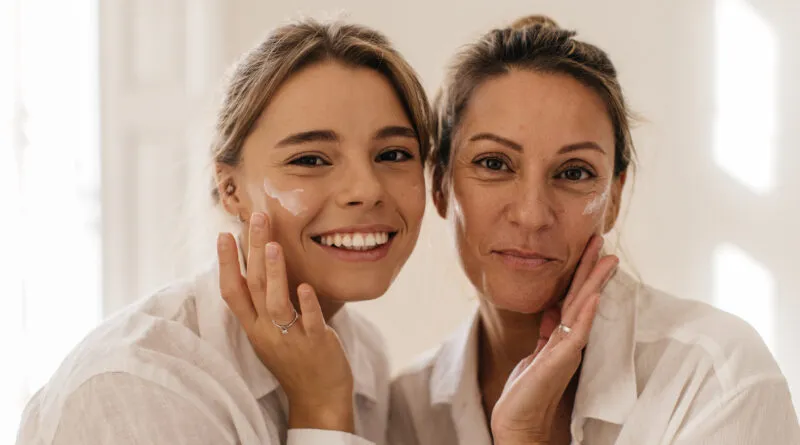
575,174
309,161
394,156
493,163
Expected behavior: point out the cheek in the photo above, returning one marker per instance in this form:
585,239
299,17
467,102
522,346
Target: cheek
583,217
288,207
409,195
474,210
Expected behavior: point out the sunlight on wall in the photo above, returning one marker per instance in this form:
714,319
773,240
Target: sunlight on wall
746,95
745,288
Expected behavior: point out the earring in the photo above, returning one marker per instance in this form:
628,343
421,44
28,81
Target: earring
230,189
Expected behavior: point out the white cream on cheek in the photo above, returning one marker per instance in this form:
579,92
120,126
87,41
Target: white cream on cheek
597,203
290,200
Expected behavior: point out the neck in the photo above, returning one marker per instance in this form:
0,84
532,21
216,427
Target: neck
329,306
505,339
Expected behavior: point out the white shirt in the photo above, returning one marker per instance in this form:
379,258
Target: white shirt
656,370
177,368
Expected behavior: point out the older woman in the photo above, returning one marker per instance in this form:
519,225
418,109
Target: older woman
531,155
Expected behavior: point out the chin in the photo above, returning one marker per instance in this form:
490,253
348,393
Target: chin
360,287
520,297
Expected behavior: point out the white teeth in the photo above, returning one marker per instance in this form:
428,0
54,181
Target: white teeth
355,241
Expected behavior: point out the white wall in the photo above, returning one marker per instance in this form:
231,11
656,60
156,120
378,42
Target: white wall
684,206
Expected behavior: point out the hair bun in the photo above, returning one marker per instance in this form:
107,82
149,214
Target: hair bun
533,20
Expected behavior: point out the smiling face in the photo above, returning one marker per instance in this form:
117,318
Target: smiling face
531,180
335,163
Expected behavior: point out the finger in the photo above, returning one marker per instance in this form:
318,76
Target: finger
313,320
279,307
256,268
550,320
578,336
232,285
590,257
583,325
594,284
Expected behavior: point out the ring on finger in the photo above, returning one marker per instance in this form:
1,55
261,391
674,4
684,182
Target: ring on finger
564,328
285,327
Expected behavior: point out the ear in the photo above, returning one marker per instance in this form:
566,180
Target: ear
438,192
615,201
230,193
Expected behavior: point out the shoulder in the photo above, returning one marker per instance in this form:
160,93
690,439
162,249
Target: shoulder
121,406
150,347
728,345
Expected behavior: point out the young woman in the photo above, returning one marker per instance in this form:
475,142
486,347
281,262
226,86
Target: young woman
320,147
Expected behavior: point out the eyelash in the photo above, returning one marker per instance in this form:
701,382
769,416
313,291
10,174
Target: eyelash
406,153
589,174
319,161
483,162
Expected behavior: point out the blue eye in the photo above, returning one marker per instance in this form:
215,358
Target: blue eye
493,163
309,161
394,156
575,174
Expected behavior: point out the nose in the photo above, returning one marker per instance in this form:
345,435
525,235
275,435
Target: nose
360,186
532,207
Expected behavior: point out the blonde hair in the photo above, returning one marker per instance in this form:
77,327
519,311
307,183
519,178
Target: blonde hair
534,43
289,49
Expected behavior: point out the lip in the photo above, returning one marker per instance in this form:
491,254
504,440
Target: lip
522,259
365,228
357,256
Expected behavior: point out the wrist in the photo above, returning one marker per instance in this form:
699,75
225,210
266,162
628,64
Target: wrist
520,437
334,416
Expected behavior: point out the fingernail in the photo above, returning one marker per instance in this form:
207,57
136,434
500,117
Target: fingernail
257,219
221,244
272,251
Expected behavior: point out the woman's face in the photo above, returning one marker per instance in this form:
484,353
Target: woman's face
335,163
531,181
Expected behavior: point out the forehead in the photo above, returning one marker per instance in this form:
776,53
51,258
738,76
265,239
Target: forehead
538,109
331,95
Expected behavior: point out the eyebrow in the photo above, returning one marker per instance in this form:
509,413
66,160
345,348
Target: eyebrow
395,131
305,137
495,138
586,145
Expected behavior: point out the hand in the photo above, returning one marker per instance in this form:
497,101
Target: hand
308,360
526,409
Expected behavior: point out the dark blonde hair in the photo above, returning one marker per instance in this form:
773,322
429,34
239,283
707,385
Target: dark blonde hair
291,48
533,43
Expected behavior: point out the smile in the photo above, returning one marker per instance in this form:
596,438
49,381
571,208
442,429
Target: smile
355,241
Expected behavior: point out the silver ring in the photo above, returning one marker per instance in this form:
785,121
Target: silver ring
564,328
285,327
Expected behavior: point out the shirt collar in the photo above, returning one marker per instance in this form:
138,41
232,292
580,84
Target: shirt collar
607,388
456,365
219,326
